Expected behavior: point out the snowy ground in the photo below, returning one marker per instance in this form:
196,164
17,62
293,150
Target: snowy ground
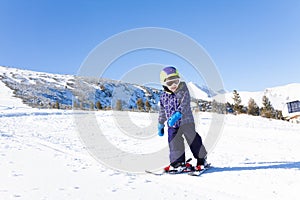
42,157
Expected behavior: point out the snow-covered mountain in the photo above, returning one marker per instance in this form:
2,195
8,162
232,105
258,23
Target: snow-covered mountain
278,96
38,89
198,93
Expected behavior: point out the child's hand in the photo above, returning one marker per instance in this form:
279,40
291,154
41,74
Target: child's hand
174,118
161,129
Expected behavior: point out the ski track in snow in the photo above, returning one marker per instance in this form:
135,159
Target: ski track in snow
42,157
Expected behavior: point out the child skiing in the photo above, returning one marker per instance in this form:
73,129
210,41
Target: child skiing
175,109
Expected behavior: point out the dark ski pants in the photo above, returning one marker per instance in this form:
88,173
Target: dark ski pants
176,142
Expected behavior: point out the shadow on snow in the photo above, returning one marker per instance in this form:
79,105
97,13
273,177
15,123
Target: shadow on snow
258,166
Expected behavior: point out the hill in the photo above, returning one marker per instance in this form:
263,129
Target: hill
45,90
278,96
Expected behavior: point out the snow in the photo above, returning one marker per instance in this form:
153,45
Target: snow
42,157
198,93
278,96
7,101
43,90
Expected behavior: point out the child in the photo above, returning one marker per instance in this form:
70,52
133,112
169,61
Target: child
175,109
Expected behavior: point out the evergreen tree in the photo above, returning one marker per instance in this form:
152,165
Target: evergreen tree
140,104
237,107
75,105
229,107
148,105
57,106
279,115
98,105
202,105
92,106
81,105
267,109
253,108
119,105
214,106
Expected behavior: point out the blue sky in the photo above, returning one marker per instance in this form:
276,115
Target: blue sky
255,44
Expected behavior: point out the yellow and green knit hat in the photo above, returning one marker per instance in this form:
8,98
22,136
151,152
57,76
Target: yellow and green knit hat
168,72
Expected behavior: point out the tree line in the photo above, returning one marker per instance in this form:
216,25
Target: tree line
140,105
267,110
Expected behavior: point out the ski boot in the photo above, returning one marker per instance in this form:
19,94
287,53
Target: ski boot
175,167
201,164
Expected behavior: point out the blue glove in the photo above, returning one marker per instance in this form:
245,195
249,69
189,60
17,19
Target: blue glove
161,129
174,118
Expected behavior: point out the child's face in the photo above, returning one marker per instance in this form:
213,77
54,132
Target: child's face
173,88
172,83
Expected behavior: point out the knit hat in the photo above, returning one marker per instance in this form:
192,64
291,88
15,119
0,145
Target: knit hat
168,72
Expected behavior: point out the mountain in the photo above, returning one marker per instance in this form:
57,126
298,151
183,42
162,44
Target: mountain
278,96
38,89
198,93
210,93
45,90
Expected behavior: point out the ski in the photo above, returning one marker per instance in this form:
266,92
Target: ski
189,171
169,172
198,173
162,172
155,173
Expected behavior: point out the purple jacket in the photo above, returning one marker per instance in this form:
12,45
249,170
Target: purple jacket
178,101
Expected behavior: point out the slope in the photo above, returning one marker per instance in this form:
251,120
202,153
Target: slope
42,157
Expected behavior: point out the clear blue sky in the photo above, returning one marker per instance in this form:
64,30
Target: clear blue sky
255,44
